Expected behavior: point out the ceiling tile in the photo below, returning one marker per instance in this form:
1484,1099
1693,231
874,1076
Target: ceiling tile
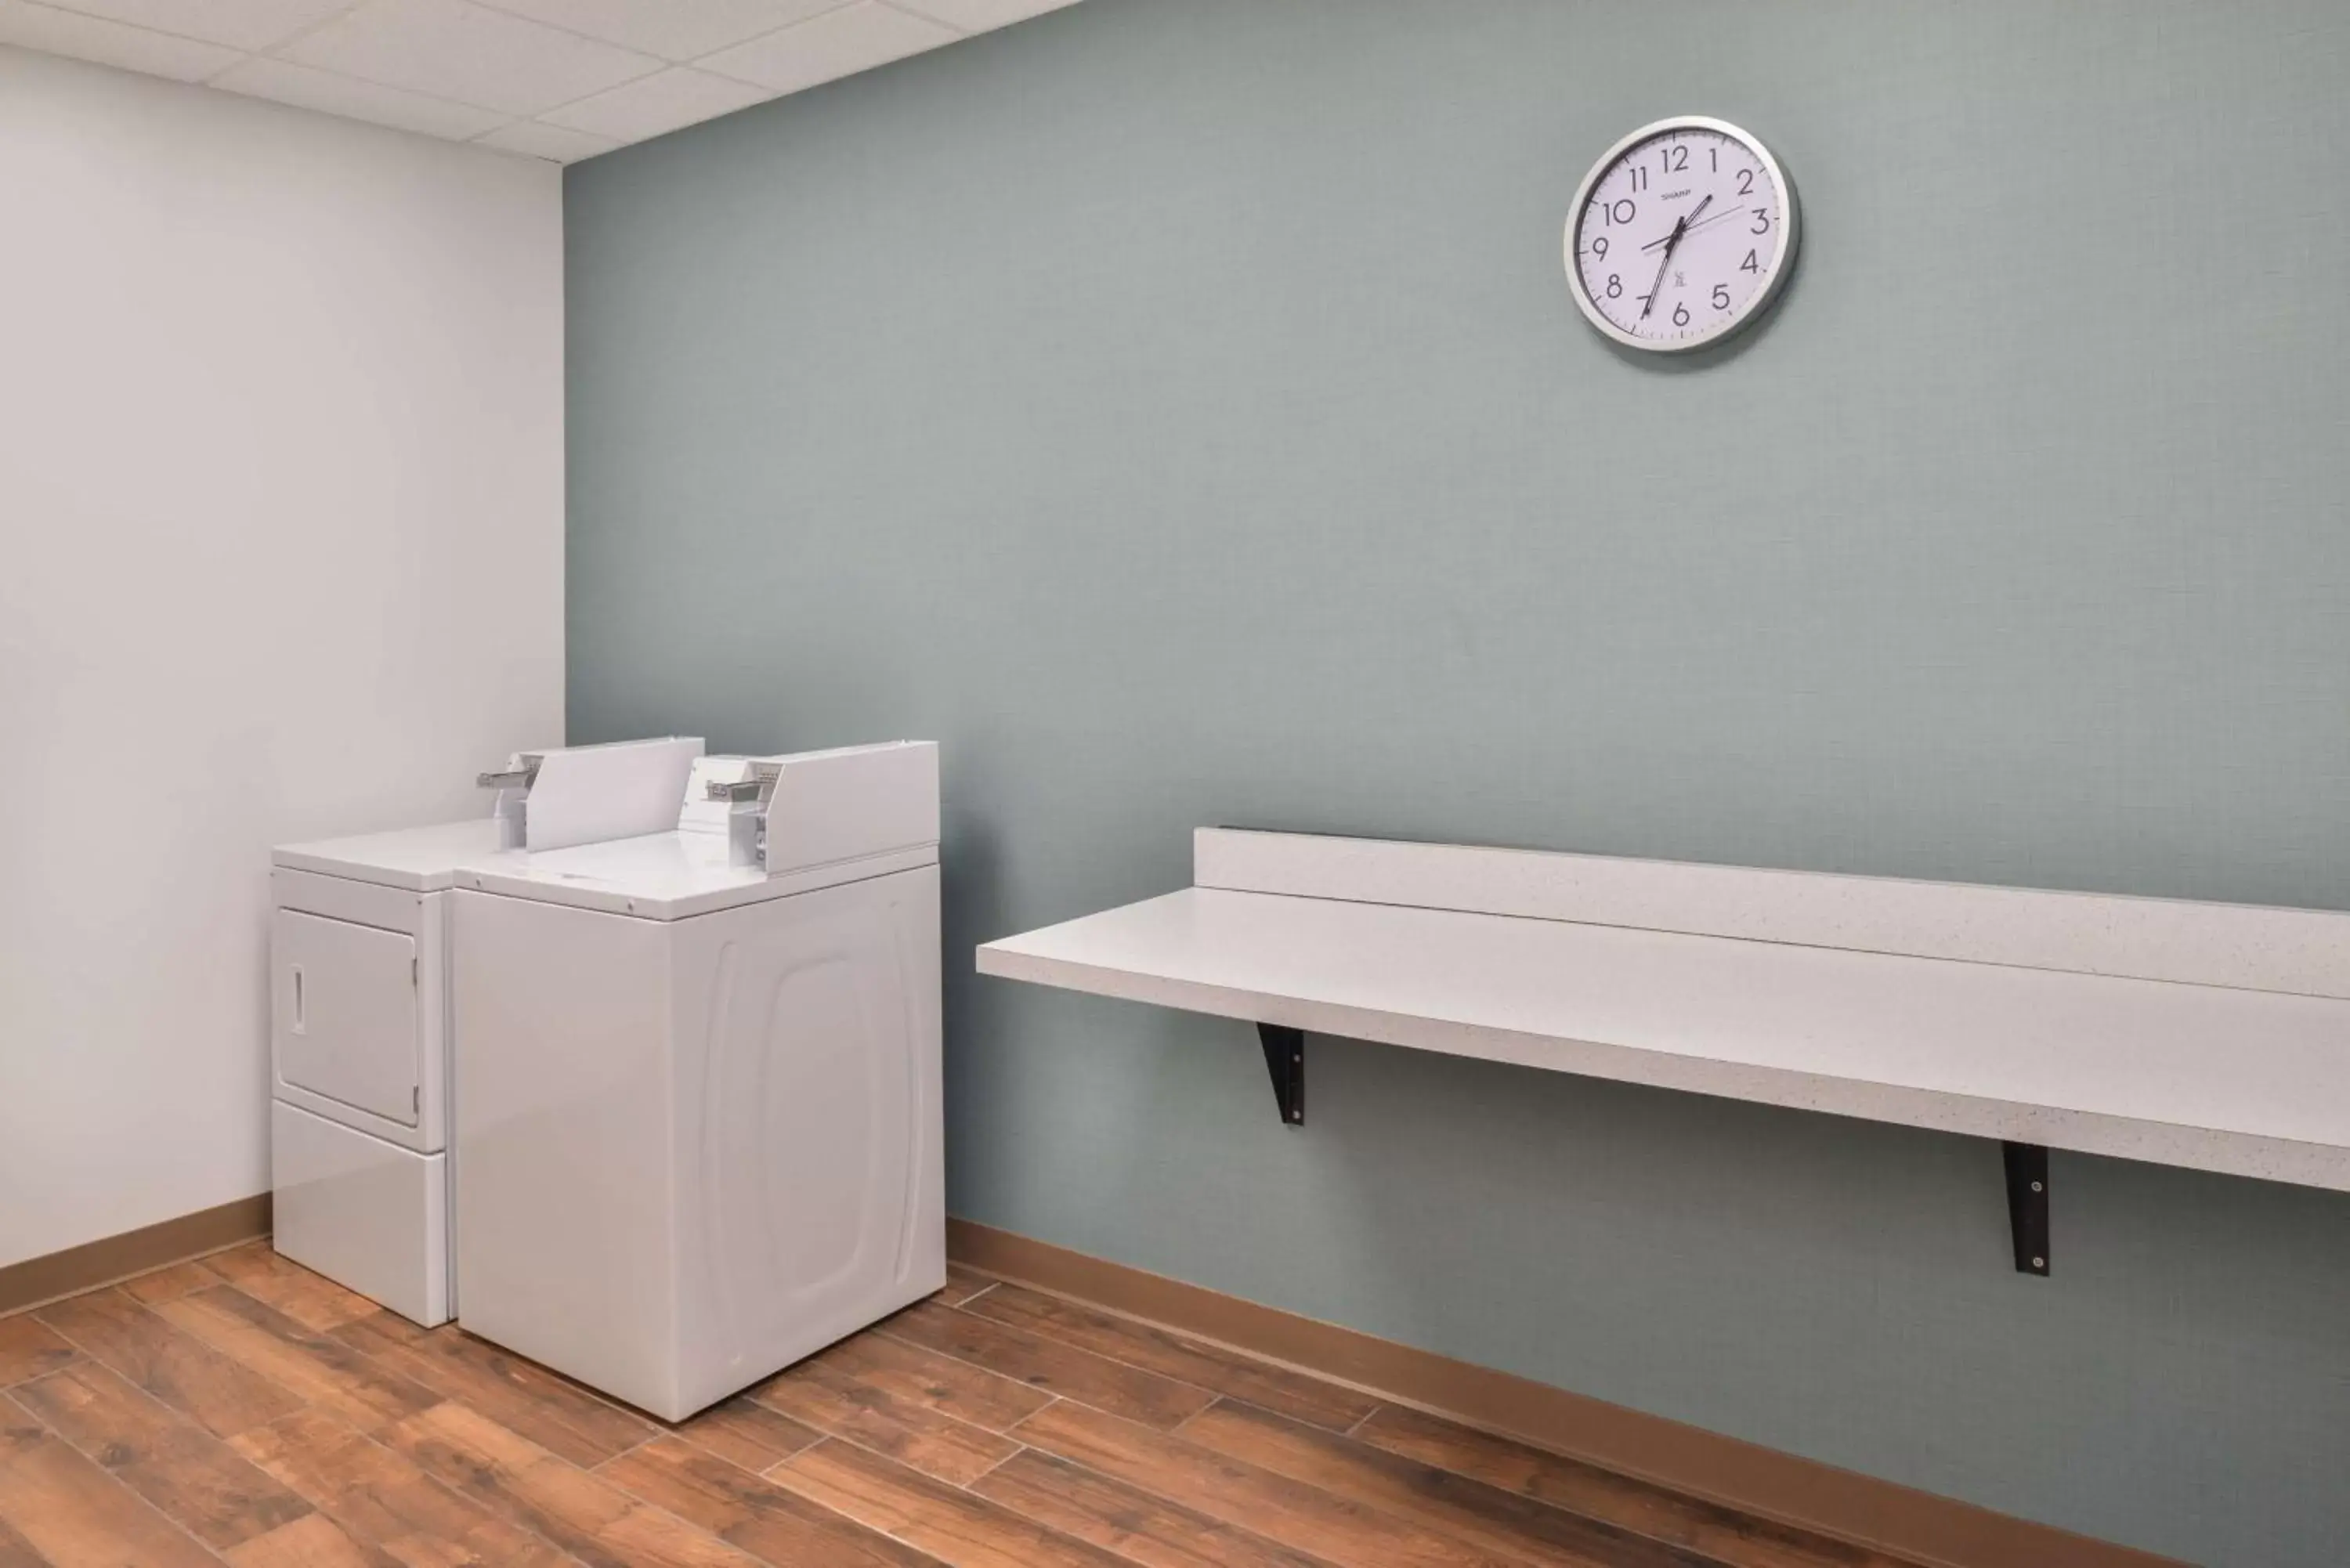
450,48
652,105
979,15
240,23
673,29
332,94
532,139
852,38
56,32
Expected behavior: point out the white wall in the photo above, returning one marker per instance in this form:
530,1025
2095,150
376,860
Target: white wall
281,535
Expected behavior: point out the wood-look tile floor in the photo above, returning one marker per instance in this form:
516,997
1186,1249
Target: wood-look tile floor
244,1410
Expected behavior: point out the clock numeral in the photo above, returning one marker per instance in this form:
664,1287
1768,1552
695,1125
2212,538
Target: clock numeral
1639,176
1599,247
1762,221
1715,154
1749,263
1721,296
1746,182
1614,285
1619,211
1672,159
1680,316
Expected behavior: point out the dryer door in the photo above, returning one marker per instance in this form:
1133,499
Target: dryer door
345,1015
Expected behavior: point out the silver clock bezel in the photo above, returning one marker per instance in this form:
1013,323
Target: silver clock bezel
1782,260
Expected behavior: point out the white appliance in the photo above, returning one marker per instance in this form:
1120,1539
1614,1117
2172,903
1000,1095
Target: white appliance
359,1114
361,1041
698,1103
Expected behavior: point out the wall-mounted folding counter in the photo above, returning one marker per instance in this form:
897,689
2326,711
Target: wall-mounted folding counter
2215,1036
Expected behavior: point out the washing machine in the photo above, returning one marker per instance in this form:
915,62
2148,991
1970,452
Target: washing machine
698,1119
361,1034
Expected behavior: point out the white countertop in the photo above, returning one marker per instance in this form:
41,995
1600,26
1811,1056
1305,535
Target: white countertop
2215,1078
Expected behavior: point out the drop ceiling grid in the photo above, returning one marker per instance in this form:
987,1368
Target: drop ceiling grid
555,79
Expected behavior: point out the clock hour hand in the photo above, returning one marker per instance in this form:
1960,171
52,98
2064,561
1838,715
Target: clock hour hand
1686,224
1691,222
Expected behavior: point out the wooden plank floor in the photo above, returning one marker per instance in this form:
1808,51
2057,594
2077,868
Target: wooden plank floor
244,1410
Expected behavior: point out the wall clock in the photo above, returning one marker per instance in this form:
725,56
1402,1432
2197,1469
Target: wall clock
1681,235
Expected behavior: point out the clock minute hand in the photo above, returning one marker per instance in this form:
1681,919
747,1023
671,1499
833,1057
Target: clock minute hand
1663,262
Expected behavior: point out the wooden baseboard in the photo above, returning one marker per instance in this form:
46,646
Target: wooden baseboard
1895,1519
38,1280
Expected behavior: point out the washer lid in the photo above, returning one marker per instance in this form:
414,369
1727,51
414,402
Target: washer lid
665,875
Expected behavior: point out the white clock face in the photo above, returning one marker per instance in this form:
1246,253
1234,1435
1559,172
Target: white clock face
1681,235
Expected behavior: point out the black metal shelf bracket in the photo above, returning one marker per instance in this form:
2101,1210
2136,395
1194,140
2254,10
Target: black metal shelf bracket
1285,1058
2027,1205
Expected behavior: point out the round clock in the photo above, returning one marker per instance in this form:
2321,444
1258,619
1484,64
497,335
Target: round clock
1681,235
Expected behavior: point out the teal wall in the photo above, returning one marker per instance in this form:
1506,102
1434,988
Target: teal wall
1177,409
